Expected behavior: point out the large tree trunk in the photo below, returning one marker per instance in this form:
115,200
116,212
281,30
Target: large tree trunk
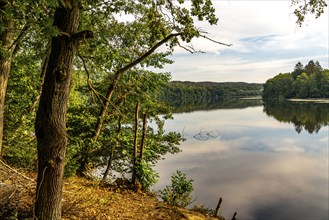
6,41
50,125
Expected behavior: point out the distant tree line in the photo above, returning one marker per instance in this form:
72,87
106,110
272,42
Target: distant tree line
177,91
311,81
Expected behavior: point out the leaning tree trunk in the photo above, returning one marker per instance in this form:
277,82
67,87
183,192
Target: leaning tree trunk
50,125
6,41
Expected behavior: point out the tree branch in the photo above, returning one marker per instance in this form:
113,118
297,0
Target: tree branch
81,35
148,53
98,5
217,42
190,49
25,28
89,81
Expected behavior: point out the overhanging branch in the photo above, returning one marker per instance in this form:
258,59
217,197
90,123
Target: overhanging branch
217,42
148,53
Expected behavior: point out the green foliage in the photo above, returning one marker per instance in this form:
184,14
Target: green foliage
299,68
306,7
148,177
157,144
115,143
179,193
28,51
21,102
280,86
310,81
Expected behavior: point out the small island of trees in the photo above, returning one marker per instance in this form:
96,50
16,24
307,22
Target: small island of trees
309,81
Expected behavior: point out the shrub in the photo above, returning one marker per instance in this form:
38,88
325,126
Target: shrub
179,193
146,175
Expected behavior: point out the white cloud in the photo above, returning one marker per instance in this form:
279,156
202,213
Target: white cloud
265,38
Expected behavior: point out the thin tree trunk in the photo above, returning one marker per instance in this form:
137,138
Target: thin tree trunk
50,125
6,41
109,162
101,115
109,165
134,176
141,151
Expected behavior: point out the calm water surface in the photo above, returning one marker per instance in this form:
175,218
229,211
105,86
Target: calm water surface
261,167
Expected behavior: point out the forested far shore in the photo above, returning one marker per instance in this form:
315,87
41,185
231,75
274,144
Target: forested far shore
311,81
176,91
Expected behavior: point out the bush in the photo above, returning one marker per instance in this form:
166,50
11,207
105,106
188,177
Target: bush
146,175
179,193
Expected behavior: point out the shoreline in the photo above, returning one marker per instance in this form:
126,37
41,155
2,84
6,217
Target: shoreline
320,100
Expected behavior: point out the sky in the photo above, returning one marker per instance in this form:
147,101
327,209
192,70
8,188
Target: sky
266,41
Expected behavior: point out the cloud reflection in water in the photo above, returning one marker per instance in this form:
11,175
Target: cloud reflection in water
261,168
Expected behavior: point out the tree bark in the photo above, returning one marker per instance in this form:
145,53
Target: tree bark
6,41
110,159
50,125
134,175
141,151
102,113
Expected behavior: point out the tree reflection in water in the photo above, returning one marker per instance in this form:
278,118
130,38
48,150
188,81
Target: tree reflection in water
304,115
206,135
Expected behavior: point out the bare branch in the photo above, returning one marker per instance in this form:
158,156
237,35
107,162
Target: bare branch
99,96
190,49
217,42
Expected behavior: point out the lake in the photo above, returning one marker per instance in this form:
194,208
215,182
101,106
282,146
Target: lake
266,162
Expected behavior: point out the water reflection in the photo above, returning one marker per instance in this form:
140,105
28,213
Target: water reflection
261,167
206,135
305,116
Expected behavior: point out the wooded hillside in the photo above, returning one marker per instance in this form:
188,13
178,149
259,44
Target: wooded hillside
177,91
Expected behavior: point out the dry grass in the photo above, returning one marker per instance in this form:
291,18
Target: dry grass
85,199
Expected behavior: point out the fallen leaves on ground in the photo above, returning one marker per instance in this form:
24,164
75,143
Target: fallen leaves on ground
85,199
